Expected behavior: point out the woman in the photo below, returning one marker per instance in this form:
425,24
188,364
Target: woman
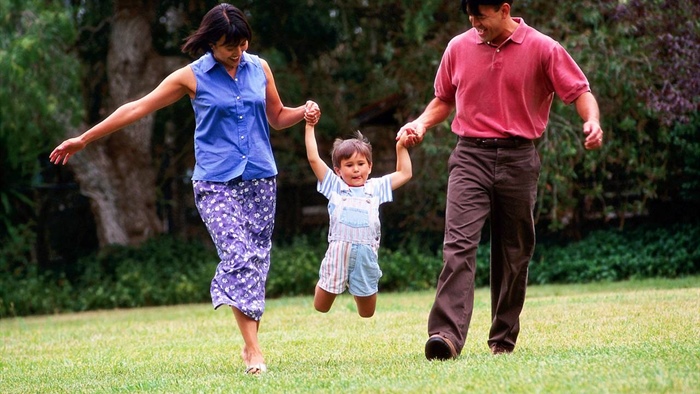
234,98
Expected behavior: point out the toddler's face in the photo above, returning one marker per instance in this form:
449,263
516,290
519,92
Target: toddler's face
355,170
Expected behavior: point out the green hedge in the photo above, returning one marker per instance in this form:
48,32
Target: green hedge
162,271
167,271
612,255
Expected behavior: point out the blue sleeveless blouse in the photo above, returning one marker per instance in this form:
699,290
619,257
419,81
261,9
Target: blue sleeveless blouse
232,135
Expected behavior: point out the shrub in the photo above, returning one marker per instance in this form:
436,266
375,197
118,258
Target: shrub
162,271
166,270
612,255
413,269
34,293
294,267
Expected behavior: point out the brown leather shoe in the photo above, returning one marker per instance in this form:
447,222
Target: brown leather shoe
497,349
439,348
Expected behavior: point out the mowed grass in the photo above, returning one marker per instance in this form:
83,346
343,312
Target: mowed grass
627,337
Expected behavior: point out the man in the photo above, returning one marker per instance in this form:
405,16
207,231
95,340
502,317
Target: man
500,77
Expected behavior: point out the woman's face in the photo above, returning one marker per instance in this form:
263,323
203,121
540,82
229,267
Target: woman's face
229,55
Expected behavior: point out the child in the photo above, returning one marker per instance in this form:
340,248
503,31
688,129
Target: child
353,206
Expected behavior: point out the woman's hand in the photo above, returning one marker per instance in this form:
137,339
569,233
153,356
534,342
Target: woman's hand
65,150
312,113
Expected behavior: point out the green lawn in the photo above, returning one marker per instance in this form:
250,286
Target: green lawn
628,337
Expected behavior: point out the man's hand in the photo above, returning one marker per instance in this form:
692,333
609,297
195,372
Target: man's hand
594,135
414,133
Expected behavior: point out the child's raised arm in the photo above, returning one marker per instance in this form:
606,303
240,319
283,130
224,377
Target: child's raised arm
404,169
317,165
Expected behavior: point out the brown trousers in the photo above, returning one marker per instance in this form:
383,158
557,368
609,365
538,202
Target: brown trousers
499,184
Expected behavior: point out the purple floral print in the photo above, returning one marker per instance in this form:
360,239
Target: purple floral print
240,217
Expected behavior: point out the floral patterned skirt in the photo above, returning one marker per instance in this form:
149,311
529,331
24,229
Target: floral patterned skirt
240,217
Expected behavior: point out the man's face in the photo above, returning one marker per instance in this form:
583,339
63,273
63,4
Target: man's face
491,24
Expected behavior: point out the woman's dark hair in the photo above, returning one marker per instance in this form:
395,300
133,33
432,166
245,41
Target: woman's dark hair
344,149
471,7
222,20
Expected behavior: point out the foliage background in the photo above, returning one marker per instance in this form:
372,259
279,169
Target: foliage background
642,58
167,271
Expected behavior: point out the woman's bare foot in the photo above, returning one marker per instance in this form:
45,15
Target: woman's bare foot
254,361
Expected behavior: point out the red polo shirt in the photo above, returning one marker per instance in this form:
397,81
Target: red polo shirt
508,90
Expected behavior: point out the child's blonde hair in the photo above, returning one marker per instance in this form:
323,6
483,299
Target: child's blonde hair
344,149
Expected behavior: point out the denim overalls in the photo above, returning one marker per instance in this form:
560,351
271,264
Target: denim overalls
353,237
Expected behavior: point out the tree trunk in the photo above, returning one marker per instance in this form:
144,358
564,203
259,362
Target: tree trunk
117,172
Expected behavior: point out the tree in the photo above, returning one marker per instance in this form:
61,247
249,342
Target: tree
646,83
117,172
348,54
40,98
120,173
668,35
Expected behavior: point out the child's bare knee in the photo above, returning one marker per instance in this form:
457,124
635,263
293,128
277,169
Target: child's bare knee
322,309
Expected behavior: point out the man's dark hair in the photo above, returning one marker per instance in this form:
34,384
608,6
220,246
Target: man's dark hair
471,7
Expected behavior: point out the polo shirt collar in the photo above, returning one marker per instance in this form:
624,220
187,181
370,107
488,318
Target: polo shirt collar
208,62
518,35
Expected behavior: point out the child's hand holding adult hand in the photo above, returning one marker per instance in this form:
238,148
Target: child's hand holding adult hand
413,132
312,113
